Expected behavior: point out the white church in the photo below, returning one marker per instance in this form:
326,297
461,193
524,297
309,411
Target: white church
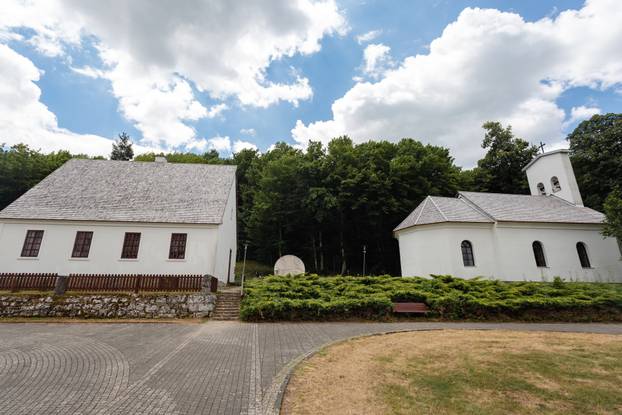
512,237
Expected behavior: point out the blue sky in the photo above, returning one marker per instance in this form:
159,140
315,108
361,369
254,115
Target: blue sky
94,98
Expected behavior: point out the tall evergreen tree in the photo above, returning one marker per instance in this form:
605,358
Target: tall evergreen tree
122,148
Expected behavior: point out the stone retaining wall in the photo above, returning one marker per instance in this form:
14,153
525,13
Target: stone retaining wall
108,305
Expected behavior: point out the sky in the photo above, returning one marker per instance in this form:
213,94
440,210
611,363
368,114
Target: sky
200,75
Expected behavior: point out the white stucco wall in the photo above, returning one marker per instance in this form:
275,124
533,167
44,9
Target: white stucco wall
227,240
504,251
106,246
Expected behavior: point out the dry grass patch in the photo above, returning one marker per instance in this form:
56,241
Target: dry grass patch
462,372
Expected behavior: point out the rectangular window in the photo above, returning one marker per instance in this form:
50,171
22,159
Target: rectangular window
130,245
178,246
32,243
82,244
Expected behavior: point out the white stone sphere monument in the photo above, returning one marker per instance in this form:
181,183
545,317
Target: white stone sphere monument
289,265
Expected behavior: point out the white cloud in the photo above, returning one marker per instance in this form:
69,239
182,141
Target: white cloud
581,113
217,110
220,144
368,37
24,119
248,131
54,27
487,65
157,55
240,145
376,60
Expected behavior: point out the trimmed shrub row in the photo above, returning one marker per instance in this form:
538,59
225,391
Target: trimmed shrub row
312,297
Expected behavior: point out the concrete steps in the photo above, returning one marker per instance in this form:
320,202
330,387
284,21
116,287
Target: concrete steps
227,305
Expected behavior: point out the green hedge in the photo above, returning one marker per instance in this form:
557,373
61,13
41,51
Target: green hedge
313,297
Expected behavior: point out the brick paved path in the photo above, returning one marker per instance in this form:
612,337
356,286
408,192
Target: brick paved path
212,368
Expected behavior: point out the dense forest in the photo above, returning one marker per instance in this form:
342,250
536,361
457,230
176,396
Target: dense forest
326,203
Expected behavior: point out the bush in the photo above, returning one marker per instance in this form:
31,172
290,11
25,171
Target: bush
312,297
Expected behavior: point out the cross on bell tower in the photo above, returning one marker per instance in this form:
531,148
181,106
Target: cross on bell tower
541,146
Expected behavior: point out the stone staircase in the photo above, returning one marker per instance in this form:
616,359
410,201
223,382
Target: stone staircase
227,304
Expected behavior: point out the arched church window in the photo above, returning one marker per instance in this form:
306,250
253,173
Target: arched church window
555,184
467,254
538,253
583,257
541,190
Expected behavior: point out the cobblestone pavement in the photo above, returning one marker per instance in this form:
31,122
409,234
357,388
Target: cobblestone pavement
153,368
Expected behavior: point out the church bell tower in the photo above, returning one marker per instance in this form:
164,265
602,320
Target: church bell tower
551,173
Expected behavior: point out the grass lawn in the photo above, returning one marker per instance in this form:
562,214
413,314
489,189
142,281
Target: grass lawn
462,372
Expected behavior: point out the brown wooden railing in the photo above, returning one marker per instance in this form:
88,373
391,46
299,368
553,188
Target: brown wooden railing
30,282
133,283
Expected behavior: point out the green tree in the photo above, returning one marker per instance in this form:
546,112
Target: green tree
596,154
500,170
275,219
210,157
21,168
613,213
122,148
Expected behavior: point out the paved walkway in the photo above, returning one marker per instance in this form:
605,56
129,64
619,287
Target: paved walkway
212,368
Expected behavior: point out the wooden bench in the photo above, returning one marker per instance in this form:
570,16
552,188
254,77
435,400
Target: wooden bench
419,308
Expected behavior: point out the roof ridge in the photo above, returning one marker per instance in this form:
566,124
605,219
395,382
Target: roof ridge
425,201
564,200
474,205
496,193
437,208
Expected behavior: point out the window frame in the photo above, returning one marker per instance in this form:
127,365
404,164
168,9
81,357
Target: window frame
555,185
131,245
468,254
32,243
178,245
541,189
82,246
584,261
539,257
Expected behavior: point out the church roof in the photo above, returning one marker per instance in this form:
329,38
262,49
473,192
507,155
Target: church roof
528,208
128,191
477,207
436,209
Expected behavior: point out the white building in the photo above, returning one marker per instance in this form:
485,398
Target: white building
124,217
512,237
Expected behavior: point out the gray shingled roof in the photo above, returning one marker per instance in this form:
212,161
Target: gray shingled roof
127,191
498,207
436,209
528,208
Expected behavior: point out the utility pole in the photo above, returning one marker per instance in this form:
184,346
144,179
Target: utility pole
244,267
364,254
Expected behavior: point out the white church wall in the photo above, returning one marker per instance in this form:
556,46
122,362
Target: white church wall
516,258
504,251
105,253
435,249
227,240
